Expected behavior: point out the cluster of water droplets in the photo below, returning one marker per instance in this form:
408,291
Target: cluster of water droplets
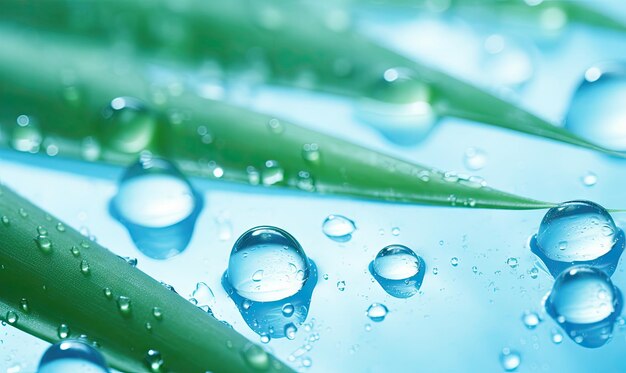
271,281
158,206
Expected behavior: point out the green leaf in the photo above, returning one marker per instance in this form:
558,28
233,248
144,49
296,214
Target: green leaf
241,146
45,284
273,41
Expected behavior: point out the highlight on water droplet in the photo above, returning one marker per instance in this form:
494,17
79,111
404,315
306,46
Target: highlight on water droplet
398,270
585,304
531,319
377,312
158,206
72,356
154,361
63,331
578,232
270,279
589,179
338,228
124,305
399,106
597,110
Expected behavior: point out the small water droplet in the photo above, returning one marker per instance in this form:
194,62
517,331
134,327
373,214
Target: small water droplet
22,212
84,267
556,336
341,285
510,359
44,243
288,310
108,293
377,312
265,338
63,331
154,361
395,231
589,179
11,317
24,305
454,261
311,152
5,220
435,271
60,227
475,159
338,228
398,270
531,319
157,313
512,262
272,173
124,305
290,331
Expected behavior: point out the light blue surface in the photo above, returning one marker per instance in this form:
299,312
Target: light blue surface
460,320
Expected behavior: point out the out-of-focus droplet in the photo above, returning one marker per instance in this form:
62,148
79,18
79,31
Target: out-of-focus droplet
474,159
129,125
531,319
510,360
158,206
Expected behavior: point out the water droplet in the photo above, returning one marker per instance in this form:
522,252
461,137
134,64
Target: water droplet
534,272
435,271
130,125
305,181
311,153
256,357
454,261
474,159
290,331
272,173
204,295
22,212
158,206
265,338
512,262
584,302
72,356
596,111
5,220
275,126
25,136
123,304
556,336
63,331
578,232
341,285
589,179
24,305
44,243
288,310
131,261
154,361
11,317
157,313
399,107
531,319
398,270
60,227
395,231
377,312
338,228
268,269
84,267
510,359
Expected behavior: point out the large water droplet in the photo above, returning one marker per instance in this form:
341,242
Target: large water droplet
288,276
129,126
578,232
72,356
597,112
338,228
158,206
398,270
585,303
399,106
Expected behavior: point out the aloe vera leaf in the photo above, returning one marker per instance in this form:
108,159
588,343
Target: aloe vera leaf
273,39
45,285
241,143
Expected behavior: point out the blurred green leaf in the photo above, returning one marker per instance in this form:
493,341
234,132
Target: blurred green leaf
72,104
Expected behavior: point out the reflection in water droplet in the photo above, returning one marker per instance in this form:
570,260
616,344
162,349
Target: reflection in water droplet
584,302
129,126
377,312
72,356
399,106
341,285
578,232
398,270
158,206
338,228
597,112
510,359
288,277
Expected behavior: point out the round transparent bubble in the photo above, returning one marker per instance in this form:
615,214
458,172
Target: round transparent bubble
338,228
399,106
129,126
578,232
72,356
585,303
597,111
154,194
398,270
267,264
